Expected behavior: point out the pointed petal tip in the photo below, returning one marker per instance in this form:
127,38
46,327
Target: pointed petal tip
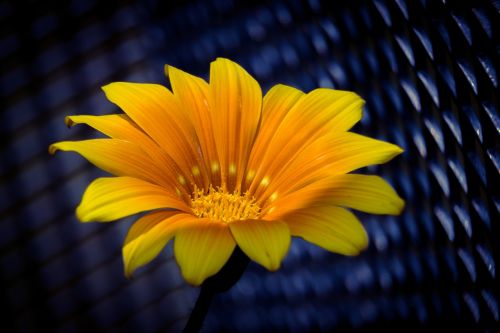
398,150
111,87
355,252
81,216
169,69
274,268
394,150
400,204
106,87
171,72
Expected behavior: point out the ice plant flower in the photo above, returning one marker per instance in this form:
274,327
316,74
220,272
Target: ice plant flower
215,165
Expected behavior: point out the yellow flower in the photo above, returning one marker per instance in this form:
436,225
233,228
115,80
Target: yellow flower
217,165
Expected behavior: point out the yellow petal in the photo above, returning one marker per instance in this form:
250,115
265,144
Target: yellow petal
108,199
202,249
352,151
333,228
265,242
149,235
117,126
334,110
192,93
277,102
154,108
328,156
235,98
120,126
319,113
118,157
370,194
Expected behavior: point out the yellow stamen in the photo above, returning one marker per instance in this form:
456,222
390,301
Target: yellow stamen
220,205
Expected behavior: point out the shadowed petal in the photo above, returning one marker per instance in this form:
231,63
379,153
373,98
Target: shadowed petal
149,235
265,242
333,228
202,249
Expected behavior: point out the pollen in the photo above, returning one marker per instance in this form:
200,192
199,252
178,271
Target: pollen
250,175
215,167
232,169
195,170
220,205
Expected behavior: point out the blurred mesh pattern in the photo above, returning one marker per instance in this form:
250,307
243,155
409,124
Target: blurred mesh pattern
428,71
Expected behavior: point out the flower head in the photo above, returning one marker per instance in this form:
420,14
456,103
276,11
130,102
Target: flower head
217,165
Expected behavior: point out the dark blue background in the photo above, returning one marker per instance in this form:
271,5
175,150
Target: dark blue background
428,70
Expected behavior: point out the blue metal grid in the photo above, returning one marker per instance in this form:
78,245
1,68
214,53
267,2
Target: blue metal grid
429,73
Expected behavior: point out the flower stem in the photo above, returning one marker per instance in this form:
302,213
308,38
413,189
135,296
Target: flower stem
220,282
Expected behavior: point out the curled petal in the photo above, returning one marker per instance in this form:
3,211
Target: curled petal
117,126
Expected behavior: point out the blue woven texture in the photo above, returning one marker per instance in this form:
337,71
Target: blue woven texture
428,71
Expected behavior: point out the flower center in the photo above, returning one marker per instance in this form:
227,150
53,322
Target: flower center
220,205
